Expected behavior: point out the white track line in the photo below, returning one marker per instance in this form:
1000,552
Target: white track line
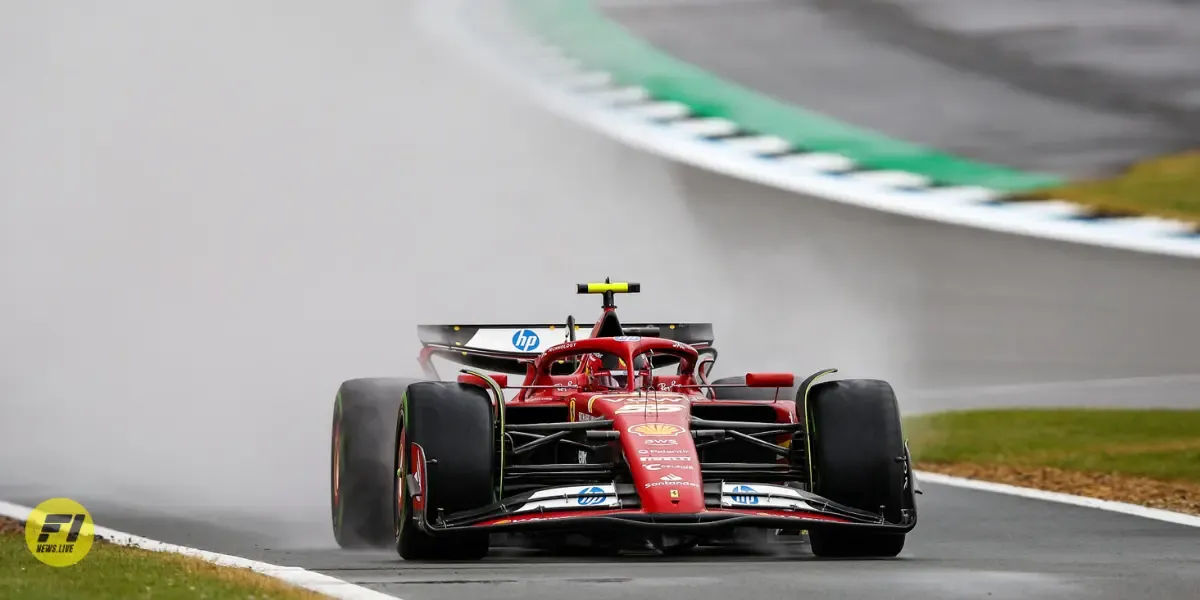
1108,505
317,582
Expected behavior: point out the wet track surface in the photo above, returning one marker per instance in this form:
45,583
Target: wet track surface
968,544
241,228
1076,87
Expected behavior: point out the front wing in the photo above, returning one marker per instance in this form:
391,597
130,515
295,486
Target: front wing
608,506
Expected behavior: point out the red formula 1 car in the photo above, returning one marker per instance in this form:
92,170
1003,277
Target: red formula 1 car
618,438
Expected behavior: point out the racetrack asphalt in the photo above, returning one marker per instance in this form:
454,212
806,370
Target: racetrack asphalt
202,240
968,544
1074,87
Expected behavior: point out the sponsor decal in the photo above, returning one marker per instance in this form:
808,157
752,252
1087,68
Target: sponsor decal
670,477
670,483
647,408
525,340
741,495
763,496
658,467
524,519
656,430
583,457
665,458
626,338
661,451
664,403
586,417
591,496
674,493
654,442
641,399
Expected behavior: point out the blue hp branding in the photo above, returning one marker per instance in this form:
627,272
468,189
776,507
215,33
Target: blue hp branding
525,340
744,498
591,496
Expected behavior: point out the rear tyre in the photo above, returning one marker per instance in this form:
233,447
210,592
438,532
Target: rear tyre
857,454
361,448
454,425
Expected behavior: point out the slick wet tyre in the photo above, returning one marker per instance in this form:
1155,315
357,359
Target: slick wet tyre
857,453
454,425
361,454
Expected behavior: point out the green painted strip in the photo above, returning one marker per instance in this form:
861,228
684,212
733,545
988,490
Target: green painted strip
579,29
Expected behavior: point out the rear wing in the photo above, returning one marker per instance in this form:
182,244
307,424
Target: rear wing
508,348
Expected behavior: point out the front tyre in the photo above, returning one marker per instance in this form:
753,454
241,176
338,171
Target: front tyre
858,459
454,426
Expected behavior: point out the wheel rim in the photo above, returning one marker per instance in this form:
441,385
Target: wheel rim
336,476
337,464
401,470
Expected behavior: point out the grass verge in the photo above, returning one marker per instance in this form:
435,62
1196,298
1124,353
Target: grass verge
1167,187
1147,457
113,571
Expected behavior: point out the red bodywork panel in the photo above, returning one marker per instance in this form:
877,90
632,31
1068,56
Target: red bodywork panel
652,414
653,424
655,440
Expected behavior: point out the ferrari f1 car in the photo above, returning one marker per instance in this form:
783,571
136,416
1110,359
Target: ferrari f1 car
617,436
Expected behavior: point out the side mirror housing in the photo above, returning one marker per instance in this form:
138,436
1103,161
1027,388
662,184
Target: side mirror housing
775,380
470,379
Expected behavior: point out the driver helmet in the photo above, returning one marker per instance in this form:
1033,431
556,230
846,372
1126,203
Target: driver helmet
618,371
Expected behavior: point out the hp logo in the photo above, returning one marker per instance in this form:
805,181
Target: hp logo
525,340
743,498
591,496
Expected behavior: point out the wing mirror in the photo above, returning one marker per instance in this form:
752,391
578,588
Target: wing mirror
775,380
469,379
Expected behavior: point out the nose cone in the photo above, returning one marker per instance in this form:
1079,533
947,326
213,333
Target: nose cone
657,443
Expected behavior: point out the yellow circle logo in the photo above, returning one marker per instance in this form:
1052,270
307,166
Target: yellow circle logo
59,532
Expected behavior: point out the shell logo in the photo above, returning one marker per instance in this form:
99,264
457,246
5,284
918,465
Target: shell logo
656,429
